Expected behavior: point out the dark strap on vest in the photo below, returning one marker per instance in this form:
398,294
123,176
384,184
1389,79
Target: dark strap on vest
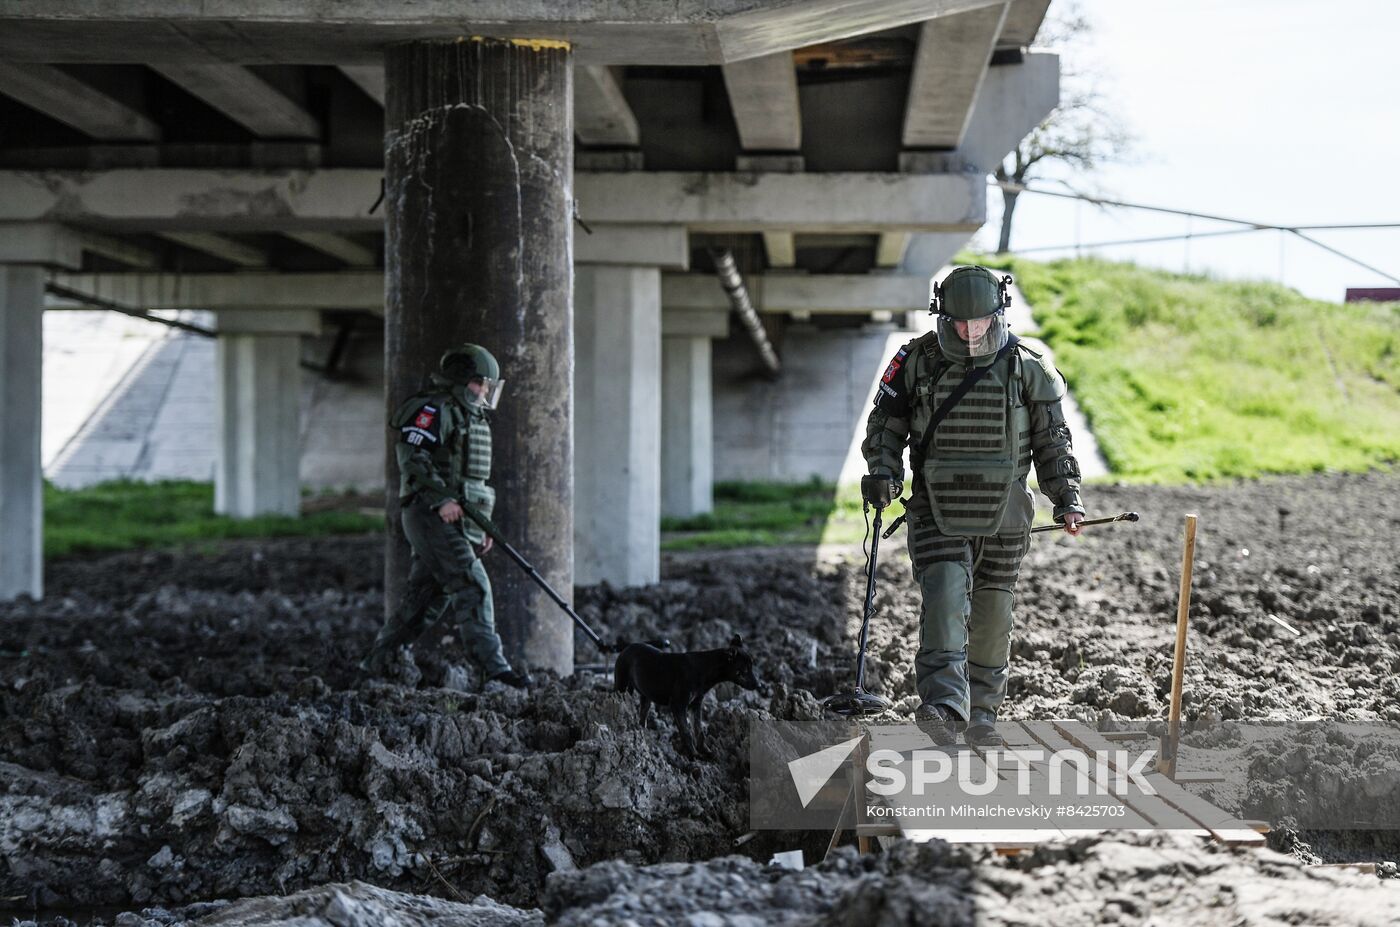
959,391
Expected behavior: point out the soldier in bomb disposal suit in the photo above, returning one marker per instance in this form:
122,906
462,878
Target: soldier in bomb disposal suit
444,456
970,510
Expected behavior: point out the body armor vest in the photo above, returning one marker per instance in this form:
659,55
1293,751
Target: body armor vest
981,450
473,455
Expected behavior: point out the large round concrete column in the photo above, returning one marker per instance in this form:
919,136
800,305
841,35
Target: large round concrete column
479,190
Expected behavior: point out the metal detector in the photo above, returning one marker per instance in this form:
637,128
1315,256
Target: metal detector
876,491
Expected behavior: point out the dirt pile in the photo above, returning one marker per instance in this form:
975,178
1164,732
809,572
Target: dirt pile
188,726
1090,881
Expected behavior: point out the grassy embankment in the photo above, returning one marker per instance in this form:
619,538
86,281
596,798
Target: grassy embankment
121,515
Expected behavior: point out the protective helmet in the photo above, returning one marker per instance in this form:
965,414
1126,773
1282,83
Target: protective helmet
471,363
971,307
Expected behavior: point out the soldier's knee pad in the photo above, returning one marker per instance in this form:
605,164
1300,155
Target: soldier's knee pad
466,595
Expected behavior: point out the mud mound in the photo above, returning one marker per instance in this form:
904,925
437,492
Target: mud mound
178,726
1089,881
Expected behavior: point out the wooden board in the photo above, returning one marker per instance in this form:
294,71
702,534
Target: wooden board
1221,824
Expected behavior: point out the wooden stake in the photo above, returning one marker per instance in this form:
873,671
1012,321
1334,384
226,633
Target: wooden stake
1166,763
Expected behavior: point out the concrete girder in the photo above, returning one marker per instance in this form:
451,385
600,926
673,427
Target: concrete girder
355,32
43,243
951,61
337,246
368,77
1022,23
1014,99
601,113
763,96
248,291
816,293
219,246
339,199
891,248
244,97
663,246
781,248
364,290
63,97
118,250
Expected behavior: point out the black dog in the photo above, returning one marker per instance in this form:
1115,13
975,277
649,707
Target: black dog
679,681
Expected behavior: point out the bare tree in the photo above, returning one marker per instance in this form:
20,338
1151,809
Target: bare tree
1083,131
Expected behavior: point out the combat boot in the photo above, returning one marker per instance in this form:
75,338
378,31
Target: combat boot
513,678
939,722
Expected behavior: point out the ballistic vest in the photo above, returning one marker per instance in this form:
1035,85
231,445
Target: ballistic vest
981,451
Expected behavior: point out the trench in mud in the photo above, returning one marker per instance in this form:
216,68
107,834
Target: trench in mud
181,727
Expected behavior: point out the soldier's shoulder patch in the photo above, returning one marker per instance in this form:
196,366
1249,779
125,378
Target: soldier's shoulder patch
892,370
424,426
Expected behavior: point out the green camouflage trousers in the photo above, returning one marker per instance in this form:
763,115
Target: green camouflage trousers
968,587
445,578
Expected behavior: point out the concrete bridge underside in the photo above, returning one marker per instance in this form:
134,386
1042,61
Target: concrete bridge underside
554,190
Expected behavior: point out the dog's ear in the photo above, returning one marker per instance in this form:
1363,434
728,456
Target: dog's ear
736,642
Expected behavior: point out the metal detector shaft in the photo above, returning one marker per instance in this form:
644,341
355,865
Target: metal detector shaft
1107,520
490,528
869,601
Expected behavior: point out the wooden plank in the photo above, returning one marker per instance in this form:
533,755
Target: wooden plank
1219,822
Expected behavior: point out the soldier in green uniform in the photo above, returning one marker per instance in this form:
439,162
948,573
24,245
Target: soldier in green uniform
444,454
970,510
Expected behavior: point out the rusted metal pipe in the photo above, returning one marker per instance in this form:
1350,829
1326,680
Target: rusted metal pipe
733,283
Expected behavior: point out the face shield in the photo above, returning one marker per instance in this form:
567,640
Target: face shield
964,339
487,391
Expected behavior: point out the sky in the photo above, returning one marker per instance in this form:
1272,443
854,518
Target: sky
1279,111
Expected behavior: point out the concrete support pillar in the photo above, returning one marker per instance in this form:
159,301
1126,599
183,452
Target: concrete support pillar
257,397
687,433
21,474
617,384
479,189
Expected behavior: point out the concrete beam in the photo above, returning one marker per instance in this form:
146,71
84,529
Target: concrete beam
817,293
601,113
763,96
686,32
21,472
617,405
1022,23
247,291
781,248
890,250
339,199
43,243
949,66
219,246
740,202
663,246
929,253
244,97
337,246
57,94
369,78
695,323
117,249
1014,99
268,322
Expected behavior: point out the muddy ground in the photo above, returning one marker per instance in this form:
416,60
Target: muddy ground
184,727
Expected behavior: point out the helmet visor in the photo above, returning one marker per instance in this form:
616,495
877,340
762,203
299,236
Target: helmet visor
488,391
964,338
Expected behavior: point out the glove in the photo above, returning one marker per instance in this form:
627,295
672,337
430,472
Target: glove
880,489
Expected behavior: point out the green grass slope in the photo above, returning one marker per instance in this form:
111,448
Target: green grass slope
123,514
1187,378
